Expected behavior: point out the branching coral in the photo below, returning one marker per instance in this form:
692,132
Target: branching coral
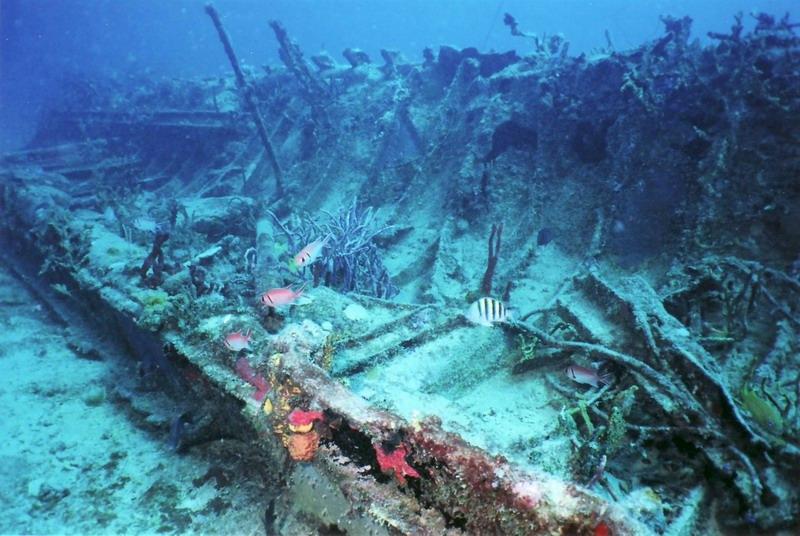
154,262
690,397
494,254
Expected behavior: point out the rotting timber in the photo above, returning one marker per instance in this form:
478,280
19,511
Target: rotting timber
701,341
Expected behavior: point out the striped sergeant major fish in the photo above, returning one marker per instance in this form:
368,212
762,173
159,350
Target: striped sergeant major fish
487,312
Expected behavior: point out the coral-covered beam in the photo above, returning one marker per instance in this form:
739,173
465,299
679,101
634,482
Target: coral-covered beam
454,477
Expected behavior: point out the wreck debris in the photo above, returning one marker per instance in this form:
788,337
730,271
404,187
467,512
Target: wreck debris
323,62
555,47
249,98
609,42
736,31
458,475
312,88
355,57
766,22
390,59
658,379
397,131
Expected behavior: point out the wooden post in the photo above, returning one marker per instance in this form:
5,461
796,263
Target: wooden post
249,97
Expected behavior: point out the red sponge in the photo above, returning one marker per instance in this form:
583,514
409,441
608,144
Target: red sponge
395,462
246,372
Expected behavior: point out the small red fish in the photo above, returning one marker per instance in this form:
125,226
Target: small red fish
309,254
238,341
587,376
275,297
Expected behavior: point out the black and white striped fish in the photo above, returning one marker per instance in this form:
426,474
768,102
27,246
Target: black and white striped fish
488,311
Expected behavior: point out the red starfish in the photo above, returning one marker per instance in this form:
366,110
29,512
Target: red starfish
395,461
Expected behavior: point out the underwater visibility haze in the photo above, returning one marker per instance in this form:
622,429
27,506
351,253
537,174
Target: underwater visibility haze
506,267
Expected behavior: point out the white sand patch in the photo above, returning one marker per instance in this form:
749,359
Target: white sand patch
71,462
465,379
356,313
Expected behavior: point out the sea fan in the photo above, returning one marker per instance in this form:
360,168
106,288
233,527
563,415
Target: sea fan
351,261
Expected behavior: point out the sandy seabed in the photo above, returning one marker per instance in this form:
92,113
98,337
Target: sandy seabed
73,462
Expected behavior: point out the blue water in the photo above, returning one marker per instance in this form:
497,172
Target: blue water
41,40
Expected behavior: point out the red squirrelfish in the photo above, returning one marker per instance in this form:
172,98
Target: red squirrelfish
309,254
237,341
587,376
275,297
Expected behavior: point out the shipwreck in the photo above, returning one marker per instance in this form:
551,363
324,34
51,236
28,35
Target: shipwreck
640,210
